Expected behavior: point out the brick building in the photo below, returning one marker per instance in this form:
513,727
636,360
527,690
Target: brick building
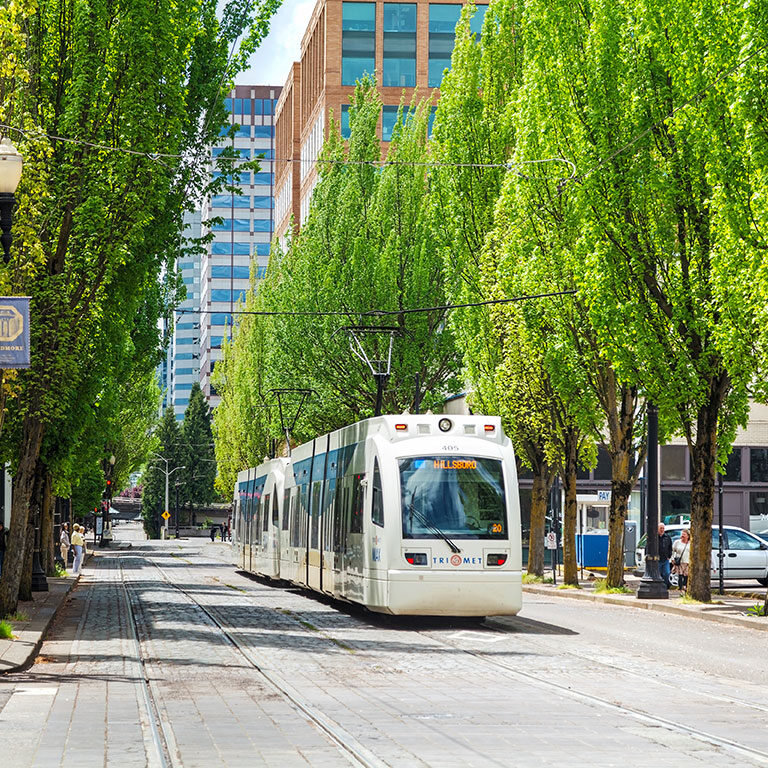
407,45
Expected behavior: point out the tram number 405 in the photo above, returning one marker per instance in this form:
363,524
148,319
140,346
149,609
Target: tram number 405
550,540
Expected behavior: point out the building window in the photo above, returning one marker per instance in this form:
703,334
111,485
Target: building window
262,225
389,120
442,32
221,318
262,249
262,201
240,132
231,201
358,41
238,106
732,473
184,386
230,249
223,294
399,66
674,506
443,19
673,462
344,127
758,465
263,131
233,225
243,178
263,178
240,273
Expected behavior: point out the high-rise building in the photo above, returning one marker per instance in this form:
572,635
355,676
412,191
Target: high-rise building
407,45
242,238
184,352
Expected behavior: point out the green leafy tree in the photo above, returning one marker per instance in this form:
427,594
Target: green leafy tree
367,244
198,478
169,455
95,227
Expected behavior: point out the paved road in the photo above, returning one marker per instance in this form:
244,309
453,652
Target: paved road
137,672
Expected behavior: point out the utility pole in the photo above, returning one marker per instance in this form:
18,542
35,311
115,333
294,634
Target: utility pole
167,472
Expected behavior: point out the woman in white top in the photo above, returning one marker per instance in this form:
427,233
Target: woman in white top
77,543
681,558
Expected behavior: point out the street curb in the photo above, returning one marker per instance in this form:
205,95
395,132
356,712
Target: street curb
630,601
23,650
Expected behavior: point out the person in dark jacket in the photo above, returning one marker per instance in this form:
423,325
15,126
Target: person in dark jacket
665,553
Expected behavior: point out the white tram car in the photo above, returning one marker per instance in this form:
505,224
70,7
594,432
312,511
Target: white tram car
410,514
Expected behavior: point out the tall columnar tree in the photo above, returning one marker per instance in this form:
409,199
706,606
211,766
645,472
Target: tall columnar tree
168,456
198,478
366,245
636,98
135,92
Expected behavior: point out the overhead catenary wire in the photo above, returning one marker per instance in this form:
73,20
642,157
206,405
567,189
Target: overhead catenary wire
160,156
372,312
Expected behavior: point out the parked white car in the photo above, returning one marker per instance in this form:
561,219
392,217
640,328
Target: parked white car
746,555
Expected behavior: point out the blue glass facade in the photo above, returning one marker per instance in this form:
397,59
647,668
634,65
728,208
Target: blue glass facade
399,65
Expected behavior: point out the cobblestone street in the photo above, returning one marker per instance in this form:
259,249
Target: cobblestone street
165,655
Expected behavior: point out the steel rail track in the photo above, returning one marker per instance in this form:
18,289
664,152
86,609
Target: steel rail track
649,719
347,743
161,738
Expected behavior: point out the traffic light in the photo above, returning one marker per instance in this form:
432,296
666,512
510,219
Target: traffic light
109,489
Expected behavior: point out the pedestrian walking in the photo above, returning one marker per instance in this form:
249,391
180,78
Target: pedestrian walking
213,533
665,552
3,544
64,543
681,558
78,544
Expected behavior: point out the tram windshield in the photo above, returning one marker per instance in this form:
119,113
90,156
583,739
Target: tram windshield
457,496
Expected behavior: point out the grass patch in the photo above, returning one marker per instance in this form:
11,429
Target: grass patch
532,578
756,610
18,616
568,586
688,600
6,630
602,588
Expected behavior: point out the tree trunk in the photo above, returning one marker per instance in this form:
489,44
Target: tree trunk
13,564
621,488
570,569
25,584
46,527
541,482
703,460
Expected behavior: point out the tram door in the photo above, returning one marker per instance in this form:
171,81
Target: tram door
274,532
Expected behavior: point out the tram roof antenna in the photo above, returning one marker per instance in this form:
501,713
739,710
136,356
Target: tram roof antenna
380,367
282,396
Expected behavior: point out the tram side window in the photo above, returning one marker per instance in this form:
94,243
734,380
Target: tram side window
286,507
356,521
303,513
275,509
316,490
295,517
265,509
377,503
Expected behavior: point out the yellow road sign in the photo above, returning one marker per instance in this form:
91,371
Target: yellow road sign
165,515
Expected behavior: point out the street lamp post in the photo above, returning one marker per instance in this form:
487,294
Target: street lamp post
176,486
167,474
10,176
652,586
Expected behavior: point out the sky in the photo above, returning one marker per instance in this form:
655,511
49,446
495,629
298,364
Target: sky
271,63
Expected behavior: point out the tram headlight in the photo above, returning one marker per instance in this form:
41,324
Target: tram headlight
444,425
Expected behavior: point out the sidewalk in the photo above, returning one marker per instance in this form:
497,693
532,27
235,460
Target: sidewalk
730,608
20,652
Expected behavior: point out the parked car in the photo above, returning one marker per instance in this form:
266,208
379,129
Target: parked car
746,554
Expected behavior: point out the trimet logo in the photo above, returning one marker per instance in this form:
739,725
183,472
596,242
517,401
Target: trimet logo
456,560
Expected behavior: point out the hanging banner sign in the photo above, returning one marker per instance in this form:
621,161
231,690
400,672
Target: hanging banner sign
14,332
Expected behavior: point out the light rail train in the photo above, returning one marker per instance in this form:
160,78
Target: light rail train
409,514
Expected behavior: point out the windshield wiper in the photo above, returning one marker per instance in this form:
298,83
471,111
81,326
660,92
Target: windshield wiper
423,520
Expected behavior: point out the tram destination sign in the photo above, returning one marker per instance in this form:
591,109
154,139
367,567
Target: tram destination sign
14,332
